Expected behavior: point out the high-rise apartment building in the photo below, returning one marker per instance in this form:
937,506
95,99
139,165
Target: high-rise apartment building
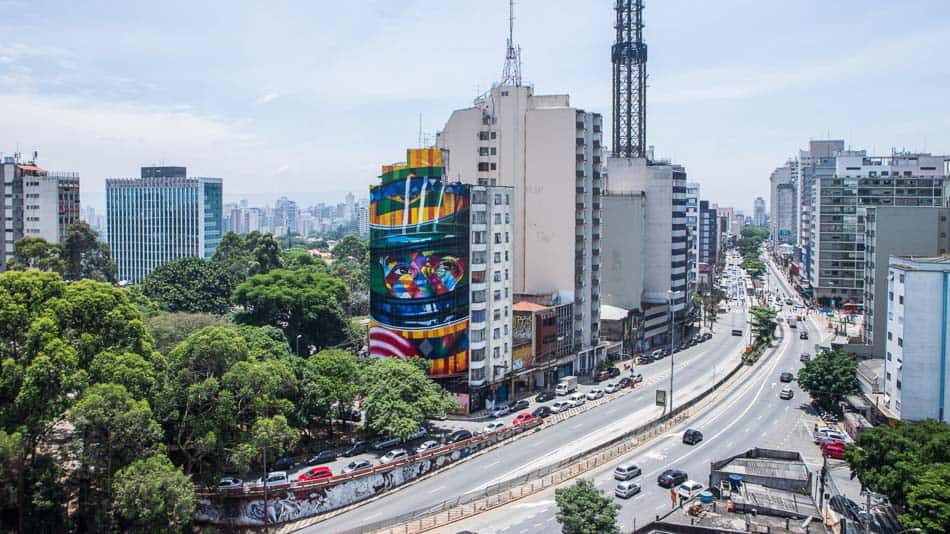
759,215
819,153
35,203
441,276
708,248
551,155
161,217
285,217
665,241
783,220
692,229
917,365
838,224
362,219
896,231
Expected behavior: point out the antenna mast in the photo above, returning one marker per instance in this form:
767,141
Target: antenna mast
629,58
512,72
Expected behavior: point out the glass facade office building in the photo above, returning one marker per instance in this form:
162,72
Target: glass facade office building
161,217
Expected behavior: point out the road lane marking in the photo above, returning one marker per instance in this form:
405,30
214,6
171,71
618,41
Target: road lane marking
436,490
493,463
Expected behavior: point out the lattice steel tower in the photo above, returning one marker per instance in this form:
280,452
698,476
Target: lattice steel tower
629,57
511,75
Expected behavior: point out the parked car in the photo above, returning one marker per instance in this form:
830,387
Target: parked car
421,433
737,332
315,473
457,436
357,447
544,396
577,399
561,406
426,446
542,411
611,387
786,393
274,478
393,455
283,463
602,375
671,478
658,354
644,359
689,489
321,457
496,425
626,489
523,418
613,372
438,416
803,334
692,436
707,336
829,433
230,483
805,357
786,377
636,378
595,393
386,442
501,410
626,471
356,465
833,450
519,405
624,382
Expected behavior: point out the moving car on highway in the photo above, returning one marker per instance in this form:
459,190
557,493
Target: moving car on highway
671,478
692,436
626,489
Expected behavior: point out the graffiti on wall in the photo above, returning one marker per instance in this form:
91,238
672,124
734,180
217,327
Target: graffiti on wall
419,272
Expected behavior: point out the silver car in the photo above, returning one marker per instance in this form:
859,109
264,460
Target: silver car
356,465
626,489
393,455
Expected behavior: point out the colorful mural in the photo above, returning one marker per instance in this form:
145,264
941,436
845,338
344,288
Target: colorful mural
419,278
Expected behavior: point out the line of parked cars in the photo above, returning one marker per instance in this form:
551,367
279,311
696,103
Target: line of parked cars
661,353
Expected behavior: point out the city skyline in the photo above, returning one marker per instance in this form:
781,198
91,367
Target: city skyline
221,110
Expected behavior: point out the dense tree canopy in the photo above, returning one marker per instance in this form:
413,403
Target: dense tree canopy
398,397
763,323
37,253
170,329
151,495
85,256
351,246
829,377
242,257
190,285
582,509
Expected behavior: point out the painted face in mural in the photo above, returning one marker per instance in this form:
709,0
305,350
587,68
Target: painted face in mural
422,274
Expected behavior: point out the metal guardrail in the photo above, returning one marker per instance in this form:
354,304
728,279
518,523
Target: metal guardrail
507,485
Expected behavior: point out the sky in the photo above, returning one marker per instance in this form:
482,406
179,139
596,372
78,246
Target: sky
292,97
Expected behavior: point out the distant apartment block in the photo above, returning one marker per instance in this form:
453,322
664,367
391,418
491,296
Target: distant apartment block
783,222
162,216
692,229
36,203
818,154
917,362
759,215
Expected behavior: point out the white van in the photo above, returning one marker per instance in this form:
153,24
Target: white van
577,399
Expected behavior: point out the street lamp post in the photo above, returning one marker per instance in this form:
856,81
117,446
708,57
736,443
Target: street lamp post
669,299
298,343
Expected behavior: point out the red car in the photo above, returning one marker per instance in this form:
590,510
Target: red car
523,419
315,473
833,450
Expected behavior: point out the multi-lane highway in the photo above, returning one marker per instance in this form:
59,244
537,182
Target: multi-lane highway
696,368
750,415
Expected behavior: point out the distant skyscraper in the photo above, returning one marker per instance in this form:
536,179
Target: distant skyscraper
160,217
692,227
35,203
759,217
362,220
285,215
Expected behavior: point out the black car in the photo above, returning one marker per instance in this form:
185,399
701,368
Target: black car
707,336
803,334
457,436
544,396
284,463
541,411
671,478
321,457
692,436
519,405
644,359
624,382
613,372
787,377
357,447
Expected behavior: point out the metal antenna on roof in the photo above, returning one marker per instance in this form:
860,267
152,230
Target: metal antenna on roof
511,75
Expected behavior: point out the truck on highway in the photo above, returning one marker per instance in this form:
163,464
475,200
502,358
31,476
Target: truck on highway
566,385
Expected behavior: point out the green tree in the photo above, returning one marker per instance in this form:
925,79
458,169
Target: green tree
305,301
330,378
763,323
151,496
582,509
128,369
928,501
242,257
147,307
829,377
190,285
351,246
37,253
355,275
299,257
398,396
85,256
170,329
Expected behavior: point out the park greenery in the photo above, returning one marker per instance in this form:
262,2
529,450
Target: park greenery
749,246
910,464
763,330
583,509
115,401
829,377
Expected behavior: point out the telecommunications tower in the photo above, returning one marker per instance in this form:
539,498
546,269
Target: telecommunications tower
629,58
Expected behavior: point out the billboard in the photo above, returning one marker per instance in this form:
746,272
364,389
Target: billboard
419,264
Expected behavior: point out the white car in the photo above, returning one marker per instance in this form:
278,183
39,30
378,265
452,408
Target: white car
491,427
501,410
230,483
427,446
356,465
689,489
393,455
611,388
577,399
274,478
595,394
560,406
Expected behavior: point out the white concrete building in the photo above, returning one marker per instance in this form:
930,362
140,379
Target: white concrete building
692,231
550,153
917,362
783,200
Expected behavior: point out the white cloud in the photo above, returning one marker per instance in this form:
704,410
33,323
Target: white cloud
267,97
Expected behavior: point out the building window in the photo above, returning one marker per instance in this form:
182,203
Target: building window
497,238
497,352
507,199
483,136
494,135
507,218
898,384
890,336
497,199
497,276
507,237
497,315
506,255
888,356
506,311
494,151
497,295
483,166
483,151
506,329
900,299
494,166
496,333
478,316
900,342
498,257
506,274
478,374
888,377
497,218
901,277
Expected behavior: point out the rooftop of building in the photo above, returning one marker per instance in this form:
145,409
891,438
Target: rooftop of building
764,466
613,313
527,306
914,263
